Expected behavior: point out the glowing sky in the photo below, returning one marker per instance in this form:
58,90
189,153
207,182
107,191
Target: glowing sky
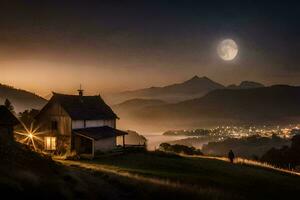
117,45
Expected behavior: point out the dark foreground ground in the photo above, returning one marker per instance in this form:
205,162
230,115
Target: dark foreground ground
139,176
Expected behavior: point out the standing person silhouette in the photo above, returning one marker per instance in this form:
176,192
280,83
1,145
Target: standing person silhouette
231,156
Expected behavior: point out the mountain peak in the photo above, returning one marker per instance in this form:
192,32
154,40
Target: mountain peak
197,84
195,77
191,88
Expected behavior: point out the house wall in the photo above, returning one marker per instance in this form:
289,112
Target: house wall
76,124
56,113
64,123
119,140
106,144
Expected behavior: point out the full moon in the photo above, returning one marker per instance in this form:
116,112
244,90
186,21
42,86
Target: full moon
227,49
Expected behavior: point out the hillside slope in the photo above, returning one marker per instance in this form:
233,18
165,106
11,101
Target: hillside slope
268,103
136,104
273,102
21,99
202,178
279,103
28,175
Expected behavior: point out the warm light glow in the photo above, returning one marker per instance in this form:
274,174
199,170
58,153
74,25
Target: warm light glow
30,135
50,143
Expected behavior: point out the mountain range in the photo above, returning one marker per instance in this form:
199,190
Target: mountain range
193,88
266,103
278,103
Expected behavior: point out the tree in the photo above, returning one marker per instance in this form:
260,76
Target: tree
177,148
9,106
27,116
286,156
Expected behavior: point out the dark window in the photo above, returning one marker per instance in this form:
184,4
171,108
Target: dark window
54,125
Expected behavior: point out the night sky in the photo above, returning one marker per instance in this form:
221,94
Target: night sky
119,45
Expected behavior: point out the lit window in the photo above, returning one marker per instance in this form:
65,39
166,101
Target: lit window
50,143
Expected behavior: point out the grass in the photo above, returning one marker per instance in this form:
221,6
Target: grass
29,175
197,177
137,176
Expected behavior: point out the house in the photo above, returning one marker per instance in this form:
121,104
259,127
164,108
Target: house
80,124
7,123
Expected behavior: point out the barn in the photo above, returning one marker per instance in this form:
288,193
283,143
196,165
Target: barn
79,124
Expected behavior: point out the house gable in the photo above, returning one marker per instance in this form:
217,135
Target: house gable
52,113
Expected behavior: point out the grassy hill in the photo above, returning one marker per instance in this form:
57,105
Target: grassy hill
197,178
29,175
26,174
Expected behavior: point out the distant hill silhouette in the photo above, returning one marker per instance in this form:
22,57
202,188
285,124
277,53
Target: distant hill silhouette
21,99
246,85
264,104
258,103
192,88
134,138
138,104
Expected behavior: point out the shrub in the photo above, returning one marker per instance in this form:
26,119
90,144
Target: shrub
177,148
287,157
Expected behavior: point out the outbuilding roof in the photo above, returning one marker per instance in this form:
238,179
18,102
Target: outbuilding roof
7,118
98,133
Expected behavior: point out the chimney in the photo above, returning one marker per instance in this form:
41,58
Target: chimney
80,91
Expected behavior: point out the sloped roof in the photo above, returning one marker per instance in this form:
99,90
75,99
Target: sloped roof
83,107
7,118
98,133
